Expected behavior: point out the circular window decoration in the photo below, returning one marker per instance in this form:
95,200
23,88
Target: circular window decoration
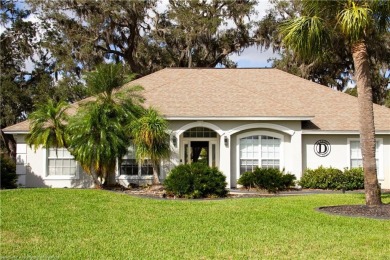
322,148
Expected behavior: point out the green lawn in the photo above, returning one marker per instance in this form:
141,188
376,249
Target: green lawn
96,224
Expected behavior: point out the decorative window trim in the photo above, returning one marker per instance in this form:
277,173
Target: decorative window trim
379,156
58,177
199,124
261,125
259,133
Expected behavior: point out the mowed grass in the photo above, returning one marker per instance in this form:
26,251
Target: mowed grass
96,224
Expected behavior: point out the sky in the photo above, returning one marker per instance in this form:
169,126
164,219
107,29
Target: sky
254,57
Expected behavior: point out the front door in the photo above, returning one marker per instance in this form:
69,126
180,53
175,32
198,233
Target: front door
200,151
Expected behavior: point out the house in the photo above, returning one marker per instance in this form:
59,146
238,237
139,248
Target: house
236,120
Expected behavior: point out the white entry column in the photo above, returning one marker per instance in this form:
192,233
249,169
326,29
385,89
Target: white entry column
224,157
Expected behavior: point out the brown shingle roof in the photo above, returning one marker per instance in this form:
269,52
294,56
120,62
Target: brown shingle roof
235,93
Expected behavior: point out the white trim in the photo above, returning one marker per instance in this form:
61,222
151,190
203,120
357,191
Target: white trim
259,133
16,132
379,156
199,124
210,140
59,177
134,177
340,132
241,118
261,125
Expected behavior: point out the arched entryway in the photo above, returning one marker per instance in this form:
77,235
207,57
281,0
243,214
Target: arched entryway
200,144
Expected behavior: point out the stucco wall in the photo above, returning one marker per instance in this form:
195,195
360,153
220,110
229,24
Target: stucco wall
339,155
298,154
31,169
228,155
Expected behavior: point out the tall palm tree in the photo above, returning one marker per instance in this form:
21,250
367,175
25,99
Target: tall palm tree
151,138
97,134
310,36
47,125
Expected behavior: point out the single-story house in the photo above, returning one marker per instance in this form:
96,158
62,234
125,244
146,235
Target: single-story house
234,119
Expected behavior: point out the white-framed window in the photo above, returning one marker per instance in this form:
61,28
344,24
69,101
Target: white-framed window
356,159
130,166
259,149
60,163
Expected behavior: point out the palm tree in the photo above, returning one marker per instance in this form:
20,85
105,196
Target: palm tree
47,125
310,36
151,138
97,134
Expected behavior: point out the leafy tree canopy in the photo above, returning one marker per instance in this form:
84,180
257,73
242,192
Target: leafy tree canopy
27,72
334,66
81,34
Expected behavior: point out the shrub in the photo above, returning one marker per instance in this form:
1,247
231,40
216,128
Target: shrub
354,179
288,180
8,173
196,180
247,179
333,179
320,178
272,180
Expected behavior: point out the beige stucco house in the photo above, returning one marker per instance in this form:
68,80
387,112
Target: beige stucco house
235,119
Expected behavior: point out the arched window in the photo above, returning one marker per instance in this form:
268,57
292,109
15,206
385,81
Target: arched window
200,132
259,151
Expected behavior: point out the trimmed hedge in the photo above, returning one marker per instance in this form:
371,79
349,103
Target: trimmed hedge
196,180
8,173
333,179
272,180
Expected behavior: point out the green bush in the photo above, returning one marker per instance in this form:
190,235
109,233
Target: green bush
333,179
8,173
272,180
196,180
354,179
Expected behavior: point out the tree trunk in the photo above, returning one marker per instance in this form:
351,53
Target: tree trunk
10,145
95,177
156,180
109,179
366,122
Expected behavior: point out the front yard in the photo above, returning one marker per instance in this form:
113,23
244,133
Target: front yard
97,224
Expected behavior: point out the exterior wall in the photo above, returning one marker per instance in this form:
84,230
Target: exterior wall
32,171
339,157
291,131
297,154
32,165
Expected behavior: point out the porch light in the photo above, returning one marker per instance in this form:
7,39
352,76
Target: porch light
174,141
226,141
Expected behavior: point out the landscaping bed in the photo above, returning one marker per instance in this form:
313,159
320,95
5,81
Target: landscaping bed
379,212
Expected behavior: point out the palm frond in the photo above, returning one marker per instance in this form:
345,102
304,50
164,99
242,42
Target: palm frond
355,19
47,125
306,35
150,136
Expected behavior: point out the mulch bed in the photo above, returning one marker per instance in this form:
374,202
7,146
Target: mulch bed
376,212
